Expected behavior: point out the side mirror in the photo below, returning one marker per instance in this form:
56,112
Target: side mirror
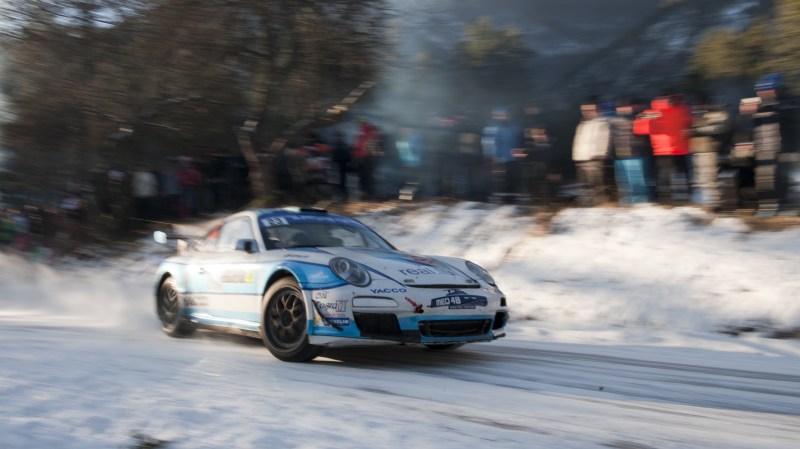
160,237
247,245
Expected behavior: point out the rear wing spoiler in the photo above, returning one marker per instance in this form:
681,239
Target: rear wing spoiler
182,241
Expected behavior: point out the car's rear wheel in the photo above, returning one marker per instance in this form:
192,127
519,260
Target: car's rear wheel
170,309
284,323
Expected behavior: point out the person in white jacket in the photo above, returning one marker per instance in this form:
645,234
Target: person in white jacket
590,151
144,186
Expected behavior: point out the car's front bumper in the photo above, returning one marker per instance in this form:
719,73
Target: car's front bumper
347,316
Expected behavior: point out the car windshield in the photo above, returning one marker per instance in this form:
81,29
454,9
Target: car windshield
299,235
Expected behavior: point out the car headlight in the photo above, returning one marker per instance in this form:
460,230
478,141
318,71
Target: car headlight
481,273
350,271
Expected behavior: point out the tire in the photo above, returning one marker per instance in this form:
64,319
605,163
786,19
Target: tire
170,310
445,347
284,323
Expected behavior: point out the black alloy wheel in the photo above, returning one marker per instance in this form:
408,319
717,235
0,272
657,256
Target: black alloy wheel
284,323
169,307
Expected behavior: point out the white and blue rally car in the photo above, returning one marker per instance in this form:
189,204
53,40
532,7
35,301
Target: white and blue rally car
304,279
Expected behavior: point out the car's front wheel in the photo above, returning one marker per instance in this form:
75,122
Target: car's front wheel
170,309
284,323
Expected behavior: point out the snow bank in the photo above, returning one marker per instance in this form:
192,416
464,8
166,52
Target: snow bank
645,267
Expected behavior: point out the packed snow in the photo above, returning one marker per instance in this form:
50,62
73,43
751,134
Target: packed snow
679,269
615,341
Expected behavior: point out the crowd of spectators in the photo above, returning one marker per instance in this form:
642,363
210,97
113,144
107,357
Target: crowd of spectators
675,149
679,149
115,201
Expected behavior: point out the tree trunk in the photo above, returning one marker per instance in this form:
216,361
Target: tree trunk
258,180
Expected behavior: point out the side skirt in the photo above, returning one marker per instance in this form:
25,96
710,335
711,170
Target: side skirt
228,330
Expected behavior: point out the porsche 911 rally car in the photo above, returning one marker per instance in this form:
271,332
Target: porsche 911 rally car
304,279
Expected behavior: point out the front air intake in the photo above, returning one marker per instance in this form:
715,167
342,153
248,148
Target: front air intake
500,320
377,324
454,328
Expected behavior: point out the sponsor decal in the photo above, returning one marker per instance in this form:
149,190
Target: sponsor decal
339,306
427,271
233,277
331,314
319,294
319,275
399,256
417,307
457,299
387,290
196,300
297,256
269,222
341,322
423,260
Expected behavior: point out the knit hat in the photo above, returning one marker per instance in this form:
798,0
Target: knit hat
771,81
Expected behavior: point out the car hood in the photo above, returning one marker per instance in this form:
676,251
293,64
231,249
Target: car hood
408,269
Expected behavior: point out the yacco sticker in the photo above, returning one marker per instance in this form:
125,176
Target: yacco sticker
427,271
387,290
457,299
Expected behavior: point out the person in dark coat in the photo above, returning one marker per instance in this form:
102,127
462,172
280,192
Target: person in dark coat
711,126
775,139
341,157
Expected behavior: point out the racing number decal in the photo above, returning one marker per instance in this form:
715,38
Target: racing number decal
268,222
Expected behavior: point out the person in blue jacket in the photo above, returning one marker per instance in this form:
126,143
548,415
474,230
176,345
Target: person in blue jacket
503,145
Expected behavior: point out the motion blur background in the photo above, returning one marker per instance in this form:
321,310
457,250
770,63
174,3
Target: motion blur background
118,111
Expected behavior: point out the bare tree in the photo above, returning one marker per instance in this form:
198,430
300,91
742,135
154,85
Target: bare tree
174,75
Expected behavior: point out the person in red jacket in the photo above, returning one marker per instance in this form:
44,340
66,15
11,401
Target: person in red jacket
363,160
668,123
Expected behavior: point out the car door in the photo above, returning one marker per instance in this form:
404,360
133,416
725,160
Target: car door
234,299
196,280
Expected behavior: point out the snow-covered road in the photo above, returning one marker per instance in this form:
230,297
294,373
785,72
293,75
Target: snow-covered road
69,387
614,359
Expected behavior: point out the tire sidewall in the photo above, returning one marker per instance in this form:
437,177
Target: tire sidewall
302,351
179,326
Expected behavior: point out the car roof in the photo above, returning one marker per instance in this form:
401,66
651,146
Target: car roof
304,215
